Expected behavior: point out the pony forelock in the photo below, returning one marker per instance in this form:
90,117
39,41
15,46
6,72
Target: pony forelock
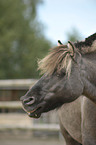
57,59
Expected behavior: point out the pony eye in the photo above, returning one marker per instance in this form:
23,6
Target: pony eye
62,73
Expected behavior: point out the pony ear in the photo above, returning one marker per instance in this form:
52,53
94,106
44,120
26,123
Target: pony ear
71,48
59,43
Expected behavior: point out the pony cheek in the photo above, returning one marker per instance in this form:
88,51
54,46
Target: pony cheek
49,97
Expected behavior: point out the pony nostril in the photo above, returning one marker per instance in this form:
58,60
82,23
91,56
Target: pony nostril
29,101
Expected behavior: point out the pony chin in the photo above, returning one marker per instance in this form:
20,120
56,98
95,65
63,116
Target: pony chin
34,115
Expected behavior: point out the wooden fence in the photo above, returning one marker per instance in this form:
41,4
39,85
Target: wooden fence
26,122
21,120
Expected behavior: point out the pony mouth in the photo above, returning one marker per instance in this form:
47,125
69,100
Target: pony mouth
33,110
35,113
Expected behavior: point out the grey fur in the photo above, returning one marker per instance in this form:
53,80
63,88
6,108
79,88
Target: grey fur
53,90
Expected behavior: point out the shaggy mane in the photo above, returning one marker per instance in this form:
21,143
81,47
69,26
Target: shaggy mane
88,45
57,59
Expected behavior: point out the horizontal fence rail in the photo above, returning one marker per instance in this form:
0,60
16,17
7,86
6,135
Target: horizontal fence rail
35,127
17,84
10,105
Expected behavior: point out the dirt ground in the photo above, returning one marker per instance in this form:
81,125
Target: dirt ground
26,138
31,142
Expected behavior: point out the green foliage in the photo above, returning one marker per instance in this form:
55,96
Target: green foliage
21,39
73,35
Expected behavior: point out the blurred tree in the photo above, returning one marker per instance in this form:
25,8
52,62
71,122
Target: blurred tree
21,39
74,35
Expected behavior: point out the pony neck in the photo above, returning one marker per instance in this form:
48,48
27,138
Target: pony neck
89,76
